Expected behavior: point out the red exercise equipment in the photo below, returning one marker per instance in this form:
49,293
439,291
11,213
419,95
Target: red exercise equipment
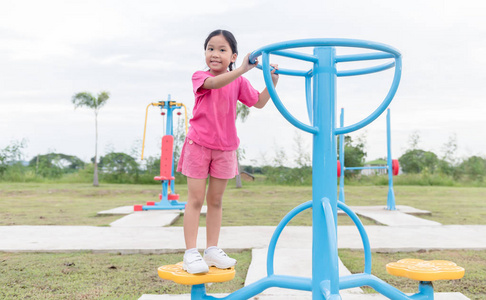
395,167
166,159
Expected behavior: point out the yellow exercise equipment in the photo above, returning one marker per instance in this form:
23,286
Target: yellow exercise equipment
177,274
425,270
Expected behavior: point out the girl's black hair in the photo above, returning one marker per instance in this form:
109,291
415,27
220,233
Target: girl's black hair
229,37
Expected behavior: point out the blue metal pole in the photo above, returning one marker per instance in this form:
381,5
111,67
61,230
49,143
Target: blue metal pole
390,203
367,168
170,131
324,164
341,160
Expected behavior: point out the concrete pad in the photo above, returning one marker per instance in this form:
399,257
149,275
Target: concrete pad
294,262
122,210
401,208
151,218
411,210
391,217
437,296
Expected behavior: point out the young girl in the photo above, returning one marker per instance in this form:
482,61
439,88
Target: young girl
211,143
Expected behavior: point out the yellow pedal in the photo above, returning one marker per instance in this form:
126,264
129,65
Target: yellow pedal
177,274
425,270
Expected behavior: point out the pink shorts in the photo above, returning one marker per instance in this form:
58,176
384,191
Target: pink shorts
197,161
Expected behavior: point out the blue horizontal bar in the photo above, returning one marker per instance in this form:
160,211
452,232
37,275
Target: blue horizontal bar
366,70
364,56
165,205
364,168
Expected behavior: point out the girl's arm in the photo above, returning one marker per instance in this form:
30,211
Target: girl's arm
264,95
221,80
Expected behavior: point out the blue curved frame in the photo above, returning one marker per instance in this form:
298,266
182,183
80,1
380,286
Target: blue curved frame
325,282
388,52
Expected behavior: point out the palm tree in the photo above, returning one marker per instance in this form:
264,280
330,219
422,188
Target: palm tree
242,112
86,99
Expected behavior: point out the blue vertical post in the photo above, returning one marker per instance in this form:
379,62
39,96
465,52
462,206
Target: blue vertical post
341,159
390,202
170,131
324,164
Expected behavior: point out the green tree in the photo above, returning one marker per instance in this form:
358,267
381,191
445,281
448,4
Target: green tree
119,166
417,161
354,154
11,154
152,165
474,167
85,99
53,165
448,162
414,140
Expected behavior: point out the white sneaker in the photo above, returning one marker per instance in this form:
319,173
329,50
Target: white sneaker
216,257
194,263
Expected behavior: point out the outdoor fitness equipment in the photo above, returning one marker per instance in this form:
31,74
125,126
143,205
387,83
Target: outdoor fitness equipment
392,165
168,198
325,282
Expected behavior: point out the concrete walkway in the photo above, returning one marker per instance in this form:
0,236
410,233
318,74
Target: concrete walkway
170,239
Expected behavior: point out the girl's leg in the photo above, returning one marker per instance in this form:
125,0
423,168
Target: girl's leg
196,189
214,199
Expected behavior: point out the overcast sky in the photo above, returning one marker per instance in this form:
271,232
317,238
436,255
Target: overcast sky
141,51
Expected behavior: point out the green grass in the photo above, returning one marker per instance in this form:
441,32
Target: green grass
67,204
84,275
448,205
108,276
254,204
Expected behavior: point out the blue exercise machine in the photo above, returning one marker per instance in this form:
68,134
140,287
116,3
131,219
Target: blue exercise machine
168,198
325,282
392,165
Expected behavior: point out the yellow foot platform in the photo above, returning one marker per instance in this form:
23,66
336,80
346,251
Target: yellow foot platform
177,274
424,270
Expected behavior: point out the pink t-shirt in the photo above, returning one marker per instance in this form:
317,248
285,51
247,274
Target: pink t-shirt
214,114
